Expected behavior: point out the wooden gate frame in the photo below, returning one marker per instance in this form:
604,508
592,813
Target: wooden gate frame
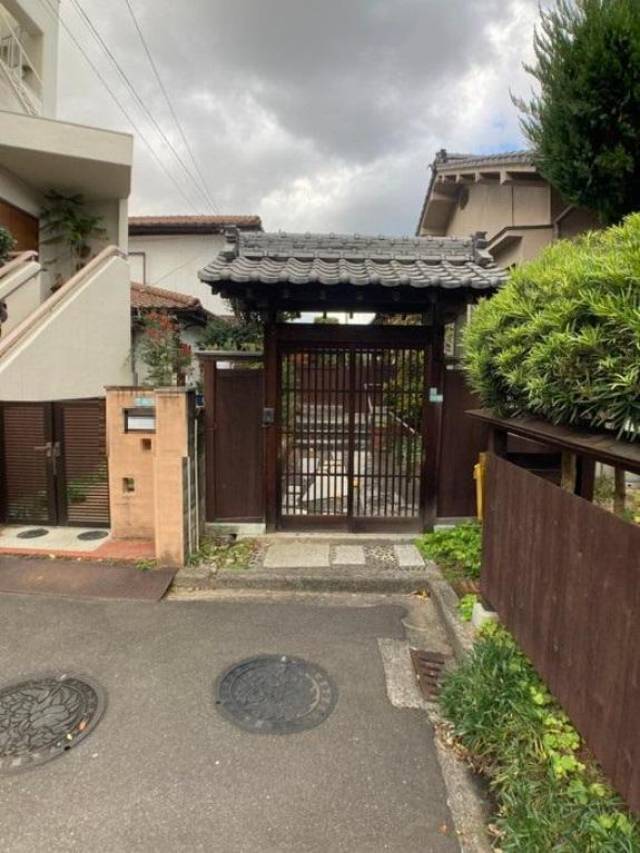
431,337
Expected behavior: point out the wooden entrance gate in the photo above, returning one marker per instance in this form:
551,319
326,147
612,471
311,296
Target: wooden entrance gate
351,419
53,463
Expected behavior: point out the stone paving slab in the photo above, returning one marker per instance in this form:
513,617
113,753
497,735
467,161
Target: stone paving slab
408,556
349,555
297,555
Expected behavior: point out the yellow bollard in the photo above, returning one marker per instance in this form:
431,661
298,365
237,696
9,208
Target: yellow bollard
479,476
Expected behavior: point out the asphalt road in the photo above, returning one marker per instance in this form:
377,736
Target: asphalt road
164,771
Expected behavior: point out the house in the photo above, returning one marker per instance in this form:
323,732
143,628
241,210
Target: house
71,343
168,251
187,311
502,195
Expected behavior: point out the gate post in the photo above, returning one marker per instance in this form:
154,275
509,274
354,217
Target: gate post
271,424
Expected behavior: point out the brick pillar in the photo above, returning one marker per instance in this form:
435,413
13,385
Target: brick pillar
148,470
171,461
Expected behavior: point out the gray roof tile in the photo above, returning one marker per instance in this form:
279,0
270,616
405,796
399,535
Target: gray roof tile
329,259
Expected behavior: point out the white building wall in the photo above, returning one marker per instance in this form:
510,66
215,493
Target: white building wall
173,262
82,346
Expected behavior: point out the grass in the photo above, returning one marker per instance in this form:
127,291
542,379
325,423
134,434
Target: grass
456,550
549,793
221,554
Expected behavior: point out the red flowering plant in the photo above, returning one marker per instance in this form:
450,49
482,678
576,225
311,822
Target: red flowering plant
167,358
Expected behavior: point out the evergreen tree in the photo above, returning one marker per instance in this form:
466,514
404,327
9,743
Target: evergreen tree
584,122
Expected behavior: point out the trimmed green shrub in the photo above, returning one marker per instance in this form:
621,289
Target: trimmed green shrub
549,794
561,340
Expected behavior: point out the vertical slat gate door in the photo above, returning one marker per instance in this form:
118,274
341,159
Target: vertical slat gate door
27,493
351,444
53,463
83,483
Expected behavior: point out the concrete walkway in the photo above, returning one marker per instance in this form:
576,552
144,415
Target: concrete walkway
319,564
163,771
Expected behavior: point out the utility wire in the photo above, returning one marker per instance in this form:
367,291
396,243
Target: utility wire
174,115
47,4
137,97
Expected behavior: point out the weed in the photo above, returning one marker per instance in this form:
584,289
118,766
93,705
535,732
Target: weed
224,554
466,605
550,795
457,550
145,565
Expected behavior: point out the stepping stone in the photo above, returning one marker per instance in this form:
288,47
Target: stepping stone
408,556
297,555
349,555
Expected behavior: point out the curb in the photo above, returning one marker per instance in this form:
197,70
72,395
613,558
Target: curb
321,583
459,634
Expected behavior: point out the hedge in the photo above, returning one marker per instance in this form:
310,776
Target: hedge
561,340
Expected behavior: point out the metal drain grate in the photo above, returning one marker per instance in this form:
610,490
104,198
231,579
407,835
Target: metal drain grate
33,533
90,535
275,694
44,717
428,667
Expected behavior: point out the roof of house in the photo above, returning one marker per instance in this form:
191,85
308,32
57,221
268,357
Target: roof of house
449,172
330,259
154,225
144,297
445,160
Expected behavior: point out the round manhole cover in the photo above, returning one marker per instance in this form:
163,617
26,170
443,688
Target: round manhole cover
44,717
275,694
89,535
33,533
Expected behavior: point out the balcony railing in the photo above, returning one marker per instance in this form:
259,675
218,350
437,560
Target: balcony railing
17,68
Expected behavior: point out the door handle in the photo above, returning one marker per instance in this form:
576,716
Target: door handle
45,448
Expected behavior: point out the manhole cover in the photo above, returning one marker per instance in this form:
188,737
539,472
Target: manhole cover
89,535
44,717
275,694
33,533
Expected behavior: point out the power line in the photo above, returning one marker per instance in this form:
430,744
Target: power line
47,4
176,120
137,97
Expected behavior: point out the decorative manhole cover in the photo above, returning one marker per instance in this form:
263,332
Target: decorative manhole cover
44,717
275,694
89,535
33,533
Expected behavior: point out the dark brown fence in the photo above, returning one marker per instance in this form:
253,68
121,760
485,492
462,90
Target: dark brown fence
564,576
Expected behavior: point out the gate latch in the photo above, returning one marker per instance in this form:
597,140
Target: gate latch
268,416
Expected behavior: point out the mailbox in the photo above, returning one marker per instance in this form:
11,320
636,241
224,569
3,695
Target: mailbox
140,420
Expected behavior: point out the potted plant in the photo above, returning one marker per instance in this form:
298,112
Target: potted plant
65,223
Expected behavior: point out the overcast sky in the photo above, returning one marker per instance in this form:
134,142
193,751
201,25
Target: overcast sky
315,114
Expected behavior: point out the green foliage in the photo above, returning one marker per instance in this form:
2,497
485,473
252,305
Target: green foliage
457,549
583,123
549,795
7,244
168,360
66,224
222,554
466,605
562,339
233,334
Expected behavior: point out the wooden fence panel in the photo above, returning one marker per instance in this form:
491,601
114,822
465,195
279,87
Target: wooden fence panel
564,575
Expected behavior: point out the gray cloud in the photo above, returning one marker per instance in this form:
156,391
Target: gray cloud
314,113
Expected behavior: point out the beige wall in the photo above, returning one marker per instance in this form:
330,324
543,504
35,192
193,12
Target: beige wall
81,344
173,262
21,292
148,472
494,206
